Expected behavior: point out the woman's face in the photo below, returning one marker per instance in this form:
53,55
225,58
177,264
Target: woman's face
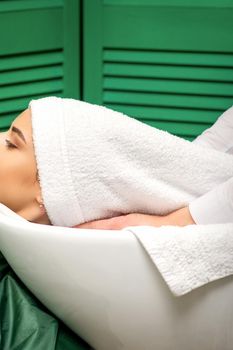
18,172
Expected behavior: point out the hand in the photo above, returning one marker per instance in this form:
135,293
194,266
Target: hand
180,217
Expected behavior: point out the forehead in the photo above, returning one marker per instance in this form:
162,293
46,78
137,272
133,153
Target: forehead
23,122
24,119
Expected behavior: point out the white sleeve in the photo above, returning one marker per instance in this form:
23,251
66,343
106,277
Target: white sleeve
216,206
220,135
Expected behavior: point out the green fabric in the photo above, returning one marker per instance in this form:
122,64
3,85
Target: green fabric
25,323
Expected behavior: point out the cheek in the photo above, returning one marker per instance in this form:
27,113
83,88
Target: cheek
17,170
16,180
26,170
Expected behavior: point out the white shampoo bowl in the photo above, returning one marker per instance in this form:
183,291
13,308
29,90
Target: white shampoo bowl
103,285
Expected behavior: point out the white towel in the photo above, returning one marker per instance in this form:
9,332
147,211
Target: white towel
97,163
188,257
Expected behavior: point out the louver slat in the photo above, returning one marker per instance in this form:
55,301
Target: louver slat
170,57
169,86
169,72
31,60
176,100
44,87
27,75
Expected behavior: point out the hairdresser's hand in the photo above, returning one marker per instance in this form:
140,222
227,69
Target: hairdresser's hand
180,217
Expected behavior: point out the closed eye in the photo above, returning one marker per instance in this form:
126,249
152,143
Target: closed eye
9,144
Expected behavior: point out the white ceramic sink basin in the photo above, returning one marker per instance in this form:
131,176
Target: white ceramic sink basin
104,286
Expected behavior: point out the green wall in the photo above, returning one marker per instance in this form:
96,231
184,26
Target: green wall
168,63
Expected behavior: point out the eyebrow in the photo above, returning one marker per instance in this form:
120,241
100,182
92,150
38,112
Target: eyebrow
19,132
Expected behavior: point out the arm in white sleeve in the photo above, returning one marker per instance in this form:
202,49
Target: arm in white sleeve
220,135
216,206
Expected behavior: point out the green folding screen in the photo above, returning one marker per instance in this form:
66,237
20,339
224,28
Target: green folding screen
168,63
39,53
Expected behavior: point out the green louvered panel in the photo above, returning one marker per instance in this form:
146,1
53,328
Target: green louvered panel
24,77
180,92
35,53
166,63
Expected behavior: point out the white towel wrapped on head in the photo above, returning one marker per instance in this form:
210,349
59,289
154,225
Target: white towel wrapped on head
96,163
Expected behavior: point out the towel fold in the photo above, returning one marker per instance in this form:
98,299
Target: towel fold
188,257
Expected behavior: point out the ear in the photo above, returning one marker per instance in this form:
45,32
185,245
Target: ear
39,200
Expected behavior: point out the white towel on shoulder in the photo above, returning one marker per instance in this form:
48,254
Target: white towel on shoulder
188,257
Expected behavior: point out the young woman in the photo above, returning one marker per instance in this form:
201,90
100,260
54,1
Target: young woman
19,186
22,155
